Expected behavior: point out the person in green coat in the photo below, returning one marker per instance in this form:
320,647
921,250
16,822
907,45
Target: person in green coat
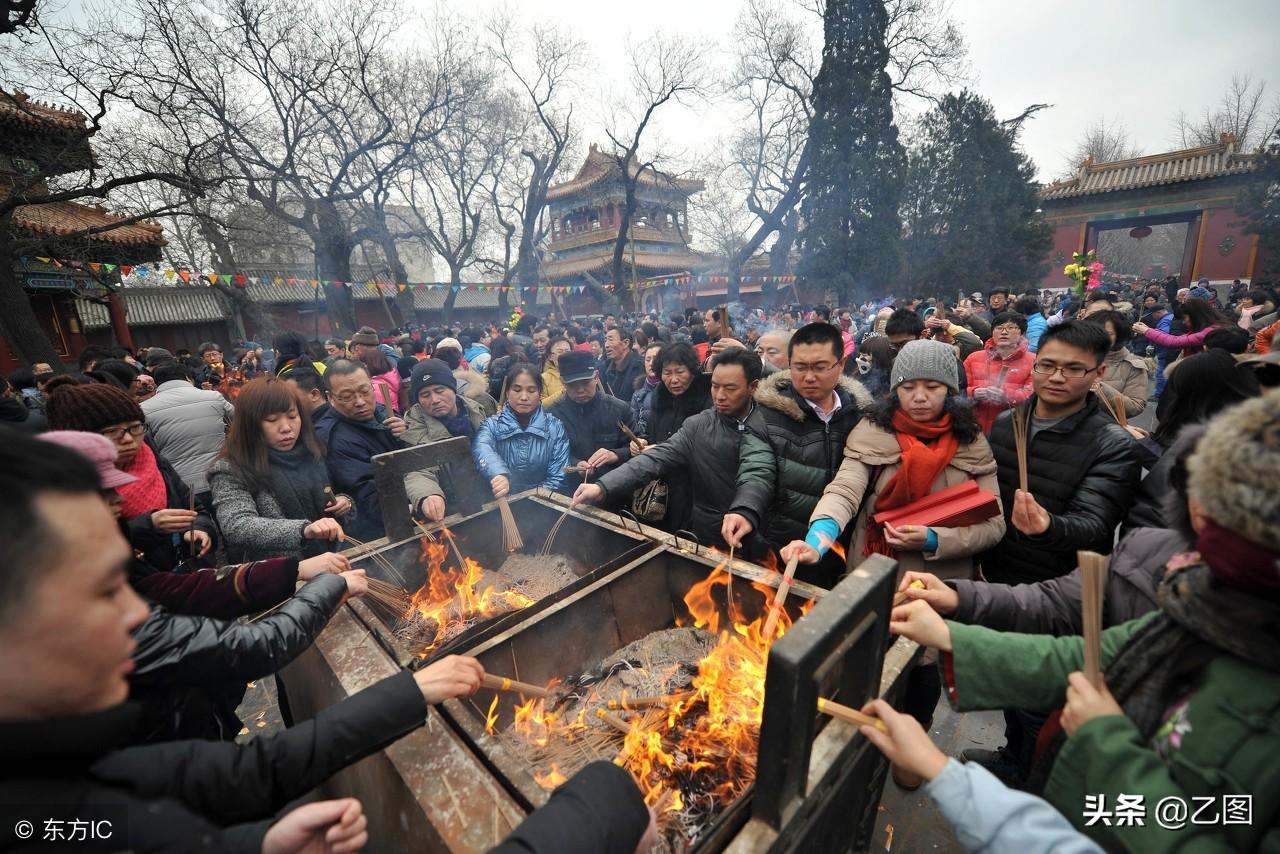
1189,711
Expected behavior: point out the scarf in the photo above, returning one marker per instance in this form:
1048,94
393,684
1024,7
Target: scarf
297,482
1239,563
1200,619
920,466
459,423
148,493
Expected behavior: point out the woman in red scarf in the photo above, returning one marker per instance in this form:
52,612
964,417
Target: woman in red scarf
157,504
922,439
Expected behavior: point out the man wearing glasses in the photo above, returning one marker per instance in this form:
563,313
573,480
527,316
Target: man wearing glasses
355,429
808,412
1082,471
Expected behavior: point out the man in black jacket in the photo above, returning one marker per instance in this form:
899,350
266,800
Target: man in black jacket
706,447
353,432
622,368
67,618
1082,470
591,418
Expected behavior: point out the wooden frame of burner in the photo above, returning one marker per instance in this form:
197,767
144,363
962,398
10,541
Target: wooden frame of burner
431,791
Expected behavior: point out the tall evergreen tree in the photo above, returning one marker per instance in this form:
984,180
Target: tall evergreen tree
1259,204
970,204
851,231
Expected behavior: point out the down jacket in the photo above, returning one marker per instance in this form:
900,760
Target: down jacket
706,450
1053,607
1083,471
527,456
190,671
873,450
196,795
781,478
423,429
187,426
1012,375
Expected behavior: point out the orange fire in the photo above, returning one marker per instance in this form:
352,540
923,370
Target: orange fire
714,730
551,780
450,597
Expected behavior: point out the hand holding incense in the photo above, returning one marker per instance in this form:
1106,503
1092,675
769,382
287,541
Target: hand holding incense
784,587
849,715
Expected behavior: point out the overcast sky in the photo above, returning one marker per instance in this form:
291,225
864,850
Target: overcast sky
1134,63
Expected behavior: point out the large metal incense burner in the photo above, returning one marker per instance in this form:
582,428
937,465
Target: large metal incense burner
458,785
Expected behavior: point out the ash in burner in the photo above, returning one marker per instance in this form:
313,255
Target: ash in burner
536,577
560,737
521,580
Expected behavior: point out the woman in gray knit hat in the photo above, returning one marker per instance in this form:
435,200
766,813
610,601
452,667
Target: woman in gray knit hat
922,439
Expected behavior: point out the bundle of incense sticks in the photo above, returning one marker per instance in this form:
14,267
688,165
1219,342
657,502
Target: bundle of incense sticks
392,598
1114,408
381,561
1093,580
1021,425
511,539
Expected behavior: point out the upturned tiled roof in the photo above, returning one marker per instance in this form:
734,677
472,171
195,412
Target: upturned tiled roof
62,218
18,109
598,166
1173,167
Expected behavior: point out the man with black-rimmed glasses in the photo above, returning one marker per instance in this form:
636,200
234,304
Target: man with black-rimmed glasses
1082,471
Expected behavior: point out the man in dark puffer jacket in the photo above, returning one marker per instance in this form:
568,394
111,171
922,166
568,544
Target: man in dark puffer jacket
808,421
1082,468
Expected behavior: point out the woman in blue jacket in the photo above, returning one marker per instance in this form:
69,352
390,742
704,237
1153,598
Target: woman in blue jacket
522,446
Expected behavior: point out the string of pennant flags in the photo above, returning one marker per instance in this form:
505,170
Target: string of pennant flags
241,280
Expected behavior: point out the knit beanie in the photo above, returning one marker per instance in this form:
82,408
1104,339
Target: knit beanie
429,372
366,335
1235,472
923,359
70,405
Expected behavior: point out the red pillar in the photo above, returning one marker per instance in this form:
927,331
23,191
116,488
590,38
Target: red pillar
119,325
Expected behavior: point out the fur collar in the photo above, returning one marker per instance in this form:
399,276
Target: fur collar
775,392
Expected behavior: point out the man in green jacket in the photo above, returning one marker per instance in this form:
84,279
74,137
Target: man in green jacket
809,411
1185,730
438,413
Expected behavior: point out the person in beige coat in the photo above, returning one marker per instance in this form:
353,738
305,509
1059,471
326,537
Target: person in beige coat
1127,378
924,438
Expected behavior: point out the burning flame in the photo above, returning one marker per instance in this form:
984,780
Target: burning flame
450,597
491,717
552,780
713,732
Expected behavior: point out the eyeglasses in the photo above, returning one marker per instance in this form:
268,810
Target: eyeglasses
1073,372
115,434
1010,328
820,368
352,396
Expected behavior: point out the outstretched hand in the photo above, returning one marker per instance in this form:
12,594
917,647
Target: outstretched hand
918,622
906,744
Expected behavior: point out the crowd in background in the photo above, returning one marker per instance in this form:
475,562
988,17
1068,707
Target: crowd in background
233,477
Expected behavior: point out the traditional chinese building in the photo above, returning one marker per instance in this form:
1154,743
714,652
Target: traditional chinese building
586,214
39,141
1194,189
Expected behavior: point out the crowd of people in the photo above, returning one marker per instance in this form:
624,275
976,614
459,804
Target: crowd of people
154,498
